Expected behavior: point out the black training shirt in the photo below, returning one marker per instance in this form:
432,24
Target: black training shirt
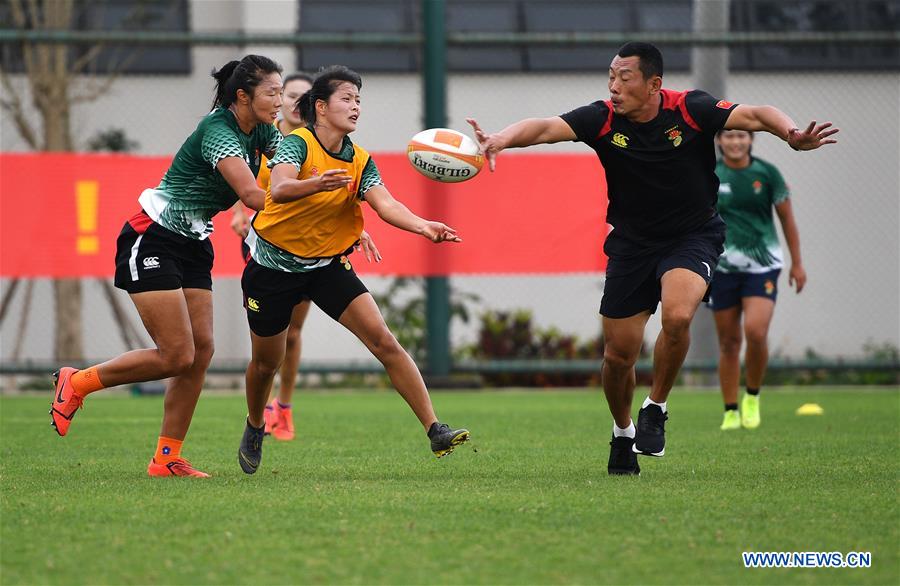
660,174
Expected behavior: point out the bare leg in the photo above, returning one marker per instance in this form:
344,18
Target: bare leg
623,339
167,319
266,356
682,291
728,328
183,390
758,313
288,372
363,319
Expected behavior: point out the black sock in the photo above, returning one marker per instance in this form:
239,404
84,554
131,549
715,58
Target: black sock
753,392
731,406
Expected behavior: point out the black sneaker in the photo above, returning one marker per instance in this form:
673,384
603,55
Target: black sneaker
444,440
651,432
622,460
250,452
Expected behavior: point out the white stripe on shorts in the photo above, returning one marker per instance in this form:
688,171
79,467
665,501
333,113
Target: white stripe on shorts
132,262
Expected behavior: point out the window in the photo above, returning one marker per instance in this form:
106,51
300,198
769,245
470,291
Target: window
664,16
104,15
822,15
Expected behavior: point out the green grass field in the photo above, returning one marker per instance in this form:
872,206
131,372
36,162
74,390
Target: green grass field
359,499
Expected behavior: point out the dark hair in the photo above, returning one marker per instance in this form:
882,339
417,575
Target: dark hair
241,75
723,130
298,75
326,83
651,61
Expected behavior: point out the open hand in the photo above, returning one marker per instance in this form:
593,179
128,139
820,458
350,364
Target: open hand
813,137
367,247
333,179
438,232
488,143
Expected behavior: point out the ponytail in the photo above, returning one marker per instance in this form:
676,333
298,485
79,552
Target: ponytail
306,107
222,76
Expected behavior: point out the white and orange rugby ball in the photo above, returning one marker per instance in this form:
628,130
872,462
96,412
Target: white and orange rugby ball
444,155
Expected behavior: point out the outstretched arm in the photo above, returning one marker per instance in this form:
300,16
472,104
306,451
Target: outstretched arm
523,133
396,214
772,120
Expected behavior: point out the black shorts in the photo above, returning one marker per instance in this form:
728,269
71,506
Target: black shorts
633,272
270,295
152,258
727,289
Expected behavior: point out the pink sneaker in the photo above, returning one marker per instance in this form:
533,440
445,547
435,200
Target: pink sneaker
270,416
284,427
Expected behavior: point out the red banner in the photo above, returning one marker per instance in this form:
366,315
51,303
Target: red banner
60,215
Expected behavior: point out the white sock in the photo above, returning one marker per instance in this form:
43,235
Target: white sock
627,432
647,401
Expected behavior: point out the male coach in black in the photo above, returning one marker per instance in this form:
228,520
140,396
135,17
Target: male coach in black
657,148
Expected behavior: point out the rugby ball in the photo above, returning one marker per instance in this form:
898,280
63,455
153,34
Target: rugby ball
444,155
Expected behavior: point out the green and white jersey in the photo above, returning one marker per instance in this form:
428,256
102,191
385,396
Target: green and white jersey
746,198
192,191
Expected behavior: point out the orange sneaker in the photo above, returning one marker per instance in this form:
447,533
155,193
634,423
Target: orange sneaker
177,467
284,427
66,402
270,416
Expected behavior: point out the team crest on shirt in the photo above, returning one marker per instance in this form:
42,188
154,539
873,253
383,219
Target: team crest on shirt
674,135
256,158
620,140
757,187
770,287
314,171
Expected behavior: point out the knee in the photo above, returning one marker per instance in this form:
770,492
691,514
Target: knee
266,366
756,336
293,339
618,360
203,352
676,322
177,360
385,346
730,345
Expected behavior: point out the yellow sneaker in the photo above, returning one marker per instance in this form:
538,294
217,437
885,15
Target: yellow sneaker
750,411
731,421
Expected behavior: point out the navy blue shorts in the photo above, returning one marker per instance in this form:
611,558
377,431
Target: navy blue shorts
633,272
727,289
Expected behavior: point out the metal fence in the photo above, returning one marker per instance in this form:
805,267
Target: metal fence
846,198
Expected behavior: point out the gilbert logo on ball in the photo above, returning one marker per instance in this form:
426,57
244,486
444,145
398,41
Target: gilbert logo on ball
444,155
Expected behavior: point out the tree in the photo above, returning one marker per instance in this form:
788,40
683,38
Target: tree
57,78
